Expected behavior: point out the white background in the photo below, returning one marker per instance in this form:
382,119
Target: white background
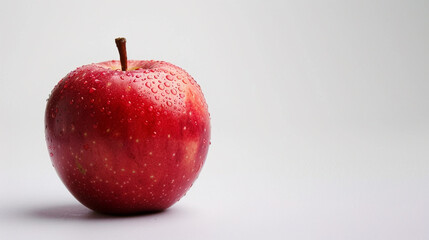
320,115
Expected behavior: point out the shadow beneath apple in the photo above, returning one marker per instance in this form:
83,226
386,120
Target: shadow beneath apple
79,212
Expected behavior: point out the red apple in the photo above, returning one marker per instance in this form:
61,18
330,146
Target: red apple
127,141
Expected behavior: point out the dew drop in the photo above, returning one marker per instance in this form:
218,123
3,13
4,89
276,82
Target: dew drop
169,103
150,108
97,81
181,95
173,91
148,84
161,86
169,77
154,90
91,90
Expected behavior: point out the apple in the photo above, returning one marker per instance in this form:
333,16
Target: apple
127,136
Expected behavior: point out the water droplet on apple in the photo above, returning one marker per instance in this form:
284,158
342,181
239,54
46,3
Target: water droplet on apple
154,134
150,108
169,77
154,90
51,154
181,95
85,82
156,97
148,84
169,103
173,91
91,90
97,81
161,86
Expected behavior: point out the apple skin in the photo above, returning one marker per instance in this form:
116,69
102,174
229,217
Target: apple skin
125,142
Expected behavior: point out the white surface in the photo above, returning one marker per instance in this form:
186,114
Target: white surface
320,115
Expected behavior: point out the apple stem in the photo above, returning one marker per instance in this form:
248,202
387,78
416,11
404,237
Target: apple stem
121,45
